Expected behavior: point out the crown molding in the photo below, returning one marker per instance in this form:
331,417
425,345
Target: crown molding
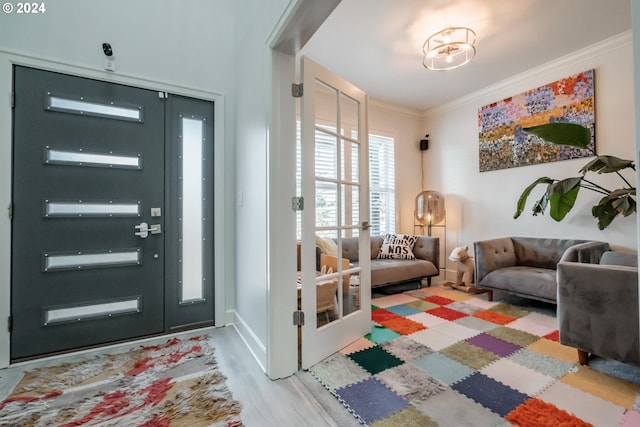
563,65
394,108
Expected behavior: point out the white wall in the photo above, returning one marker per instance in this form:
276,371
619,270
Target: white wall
178,47
481,205
161,41
635,26
255,21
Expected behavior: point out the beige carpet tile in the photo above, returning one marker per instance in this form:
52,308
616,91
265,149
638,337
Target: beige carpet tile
406,348
513,336
536,323
427,319
358,345
452,409
470,355
517,376
587,407
411,383
408,417
338,371
456,330
555,350
391,300
614,390
434,339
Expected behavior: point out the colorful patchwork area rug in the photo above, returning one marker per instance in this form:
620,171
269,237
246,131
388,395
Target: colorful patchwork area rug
175,383
439,357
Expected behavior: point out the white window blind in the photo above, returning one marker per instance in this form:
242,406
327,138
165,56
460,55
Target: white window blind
382,184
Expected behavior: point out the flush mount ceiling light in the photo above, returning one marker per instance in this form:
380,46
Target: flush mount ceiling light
450,48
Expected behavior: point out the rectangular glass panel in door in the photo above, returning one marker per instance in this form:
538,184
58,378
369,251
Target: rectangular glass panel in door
82,158
80,190
192,210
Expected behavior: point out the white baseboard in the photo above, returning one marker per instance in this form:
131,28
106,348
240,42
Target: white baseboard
255,346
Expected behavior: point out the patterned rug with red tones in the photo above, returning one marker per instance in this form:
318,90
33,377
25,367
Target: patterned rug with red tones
440,357
175,383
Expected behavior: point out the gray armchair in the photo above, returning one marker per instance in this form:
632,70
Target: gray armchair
598,307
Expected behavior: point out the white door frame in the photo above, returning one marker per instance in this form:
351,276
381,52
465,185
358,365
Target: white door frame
296,25
7,60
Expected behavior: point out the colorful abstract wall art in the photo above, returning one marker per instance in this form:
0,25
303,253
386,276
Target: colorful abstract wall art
503,143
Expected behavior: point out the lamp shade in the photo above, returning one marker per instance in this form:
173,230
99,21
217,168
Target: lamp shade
429,207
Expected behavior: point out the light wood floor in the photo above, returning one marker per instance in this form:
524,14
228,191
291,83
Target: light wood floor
299,400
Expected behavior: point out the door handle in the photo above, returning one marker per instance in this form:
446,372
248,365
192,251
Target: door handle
365,225
145,229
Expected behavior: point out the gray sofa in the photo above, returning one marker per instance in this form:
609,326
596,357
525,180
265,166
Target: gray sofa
526,266
393,271
598,307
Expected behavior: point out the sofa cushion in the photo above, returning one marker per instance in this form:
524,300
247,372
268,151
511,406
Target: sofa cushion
492,255
397,246
533,282
538,252
628,259
391,271
350,249
376,244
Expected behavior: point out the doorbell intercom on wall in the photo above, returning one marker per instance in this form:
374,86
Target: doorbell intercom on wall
424,143
110,61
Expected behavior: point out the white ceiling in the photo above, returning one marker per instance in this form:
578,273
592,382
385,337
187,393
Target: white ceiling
377,44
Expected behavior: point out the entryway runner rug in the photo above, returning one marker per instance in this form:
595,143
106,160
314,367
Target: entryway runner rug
438,357
175,383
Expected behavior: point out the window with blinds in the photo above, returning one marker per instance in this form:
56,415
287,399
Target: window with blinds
381,183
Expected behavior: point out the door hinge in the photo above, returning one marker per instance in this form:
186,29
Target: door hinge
297,203
298,318
13,100
10,209
10,324
296,90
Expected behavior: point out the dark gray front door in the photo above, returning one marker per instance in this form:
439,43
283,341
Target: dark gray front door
88,213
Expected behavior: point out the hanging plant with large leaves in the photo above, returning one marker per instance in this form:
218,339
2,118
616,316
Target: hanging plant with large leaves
561,194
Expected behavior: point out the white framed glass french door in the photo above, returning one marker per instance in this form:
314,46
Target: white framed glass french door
335,291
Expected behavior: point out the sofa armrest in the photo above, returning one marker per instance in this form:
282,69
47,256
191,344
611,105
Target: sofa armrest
428,248
598,309
491,255
587,252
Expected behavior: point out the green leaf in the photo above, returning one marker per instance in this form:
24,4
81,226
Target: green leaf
607,164
622,200
562,196
522,201
541,205
570,134
604,212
